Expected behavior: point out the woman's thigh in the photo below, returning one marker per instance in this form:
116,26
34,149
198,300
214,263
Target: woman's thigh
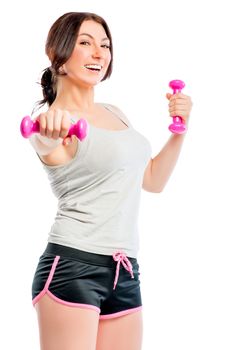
121,333
63,327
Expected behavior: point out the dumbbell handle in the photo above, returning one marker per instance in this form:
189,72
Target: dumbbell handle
178,126
29,127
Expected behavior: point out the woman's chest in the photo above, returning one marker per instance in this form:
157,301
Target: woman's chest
109,151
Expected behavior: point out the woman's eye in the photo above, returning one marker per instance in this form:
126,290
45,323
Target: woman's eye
84,42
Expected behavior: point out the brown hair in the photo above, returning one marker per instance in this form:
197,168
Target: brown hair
60,43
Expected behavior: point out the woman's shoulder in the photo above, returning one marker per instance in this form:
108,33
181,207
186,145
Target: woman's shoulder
111,106
117,111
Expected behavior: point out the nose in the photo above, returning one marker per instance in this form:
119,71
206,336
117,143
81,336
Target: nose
98,52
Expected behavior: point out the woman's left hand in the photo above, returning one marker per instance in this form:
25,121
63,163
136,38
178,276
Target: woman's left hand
179,105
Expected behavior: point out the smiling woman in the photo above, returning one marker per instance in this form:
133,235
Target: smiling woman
86,287
89,54
61,43
65,45
88,275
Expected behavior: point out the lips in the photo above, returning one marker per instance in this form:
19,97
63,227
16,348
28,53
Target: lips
94,67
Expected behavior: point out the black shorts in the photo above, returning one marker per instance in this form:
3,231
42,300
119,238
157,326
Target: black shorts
107,284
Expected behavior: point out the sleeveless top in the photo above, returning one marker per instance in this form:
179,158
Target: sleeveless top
99,191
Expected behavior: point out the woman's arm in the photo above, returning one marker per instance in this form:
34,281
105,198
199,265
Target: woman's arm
163,164
43,145
160,168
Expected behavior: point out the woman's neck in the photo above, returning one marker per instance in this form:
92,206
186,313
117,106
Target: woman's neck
74,98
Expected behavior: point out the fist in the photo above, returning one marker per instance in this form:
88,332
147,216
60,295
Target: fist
55,124
179,105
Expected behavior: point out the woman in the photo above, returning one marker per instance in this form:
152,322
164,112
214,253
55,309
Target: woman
86,287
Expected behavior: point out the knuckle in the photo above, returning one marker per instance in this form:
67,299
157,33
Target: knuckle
49,130
64,128
42,124
64,132
56,129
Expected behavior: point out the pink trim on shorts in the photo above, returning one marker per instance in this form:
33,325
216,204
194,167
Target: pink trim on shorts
121,313
121,258
67,303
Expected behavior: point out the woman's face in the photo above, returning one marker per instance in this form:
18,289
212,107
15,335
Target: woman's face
91,56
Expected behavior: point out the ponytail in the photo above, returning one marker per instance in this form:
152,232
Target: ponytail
48,84
48,87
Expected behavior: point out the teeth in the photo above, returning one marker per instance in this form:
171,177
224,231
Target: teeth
93,66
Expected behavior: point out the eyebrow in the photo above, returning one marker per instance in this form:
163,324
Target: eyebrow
92,36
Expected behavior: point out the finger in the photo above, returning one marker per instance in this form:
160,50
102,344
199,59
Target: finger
42,122
178,95
57,124
178,108
179,112
177,103
65,124
49,124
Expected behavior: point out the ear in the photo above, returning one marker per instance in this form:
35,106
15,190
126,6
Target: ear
62,70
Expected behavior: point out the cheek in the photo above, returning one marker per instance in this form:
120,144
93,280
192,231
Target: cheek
79,56
76,60
108,59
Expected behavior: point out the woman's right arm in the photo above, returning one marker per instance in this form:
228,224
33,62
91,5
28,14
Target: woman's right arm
42,145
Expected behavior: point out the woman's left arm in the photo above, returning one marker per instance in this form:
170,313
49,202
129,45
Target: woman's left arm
161,166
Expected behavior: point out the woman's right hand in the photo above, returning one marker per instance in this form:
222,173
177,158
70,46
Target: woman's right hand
55,124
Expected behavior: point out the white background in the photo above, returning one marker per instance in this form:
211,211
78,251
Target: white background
186,232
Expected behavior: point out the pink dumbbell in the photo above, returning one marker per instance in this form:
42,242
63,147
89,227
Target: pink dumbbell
29,127
178,126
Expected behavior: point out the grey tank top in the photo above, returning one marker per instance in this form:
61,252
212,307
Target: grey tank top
99,191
